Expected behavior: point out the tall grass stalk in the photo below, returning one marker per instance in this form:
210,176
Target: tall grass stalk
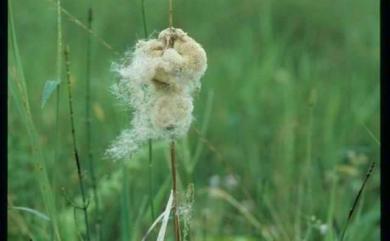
170,13
356,200
176,227
125,207
21,96
304,180
174,190
91,166
332,206
144,18
150,178
75,151
79,23
59,76
150,142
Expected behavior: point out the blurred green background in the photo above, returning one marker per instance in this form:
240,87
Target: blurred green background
287,122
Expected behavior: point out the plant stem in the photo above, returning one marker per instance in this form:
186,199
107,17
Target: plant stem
357,198
150,169
59,75
144,18
75,151
59,78
174,208
170,13
59,39
304,184
150,166
88,127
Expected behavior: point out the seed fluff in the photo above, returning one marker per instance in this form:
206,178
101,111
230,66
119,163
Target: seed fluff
157,81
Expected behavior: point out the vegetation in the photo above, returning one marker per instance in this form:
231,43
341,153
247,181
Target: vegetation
286,123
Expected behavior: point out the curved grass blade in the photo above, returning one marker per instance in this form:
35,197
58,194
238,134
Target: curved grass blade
33,212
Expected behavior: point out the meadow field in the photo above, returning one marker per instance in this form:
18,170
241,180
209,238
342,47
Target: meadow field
286,123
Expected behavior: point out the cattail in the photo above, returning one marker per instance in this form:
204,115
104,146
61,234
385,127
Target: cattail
157,82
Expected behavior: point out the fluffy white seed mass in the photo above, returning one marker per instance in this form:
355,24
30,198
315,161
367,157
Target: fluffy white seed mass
157,81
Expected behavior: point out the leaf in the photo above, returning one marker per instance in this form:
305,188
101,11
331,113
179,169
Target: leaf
163,228
32,211
162,215
48,89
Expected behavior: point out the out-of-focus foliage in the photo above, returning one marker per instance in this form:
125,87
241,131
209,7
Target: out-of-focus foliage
286,121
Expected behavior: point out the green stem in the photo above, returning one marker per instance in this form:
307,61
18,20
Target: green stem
357,198
144,18
88,127
150,166
75,151
170,13
59,78
150,169
174,189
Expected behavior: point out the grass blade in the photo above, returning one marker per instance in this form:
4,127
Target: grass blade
154,224
21,95
163,228
32,211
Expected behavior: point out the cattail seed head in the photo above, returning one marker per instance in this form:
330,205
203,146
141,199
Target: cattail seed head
156,81
172,113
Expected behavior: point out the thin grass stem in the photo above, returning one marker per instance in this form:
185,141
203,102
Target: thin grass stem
84,27
174,190
144,18
91,166
150,142
59,76
75,151
170,13
356,200
304,184
150,177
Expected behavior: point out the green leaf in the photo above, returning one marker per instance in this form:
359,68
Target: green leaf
33,211
48,89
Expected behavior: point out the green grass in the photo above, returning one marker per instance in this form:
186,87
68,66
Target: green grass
289,105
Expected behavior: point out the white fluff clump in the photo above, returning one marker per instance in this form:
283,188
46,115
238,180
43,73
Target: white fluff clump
157,82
